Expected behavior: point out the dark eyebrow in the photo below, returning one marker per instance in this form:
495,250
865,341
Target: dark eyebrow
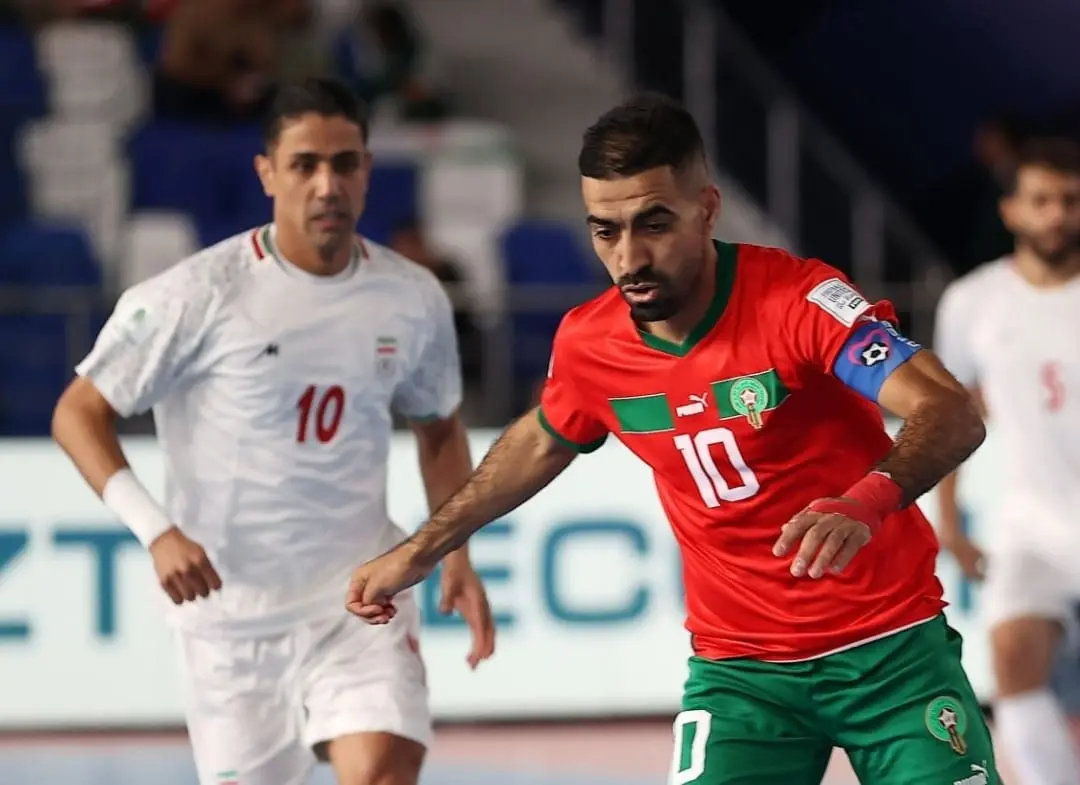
646,215
307,156
603,223
656,211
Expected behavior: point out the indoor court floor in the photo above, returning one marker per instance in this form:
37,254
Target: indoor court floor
592,754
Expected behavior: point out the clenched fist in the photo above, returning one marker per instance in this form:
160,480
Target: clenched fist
183,568
375,583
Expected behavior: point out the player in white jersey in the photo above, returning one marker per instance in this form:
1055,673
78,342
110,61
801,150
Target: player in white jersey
272,362
1010,330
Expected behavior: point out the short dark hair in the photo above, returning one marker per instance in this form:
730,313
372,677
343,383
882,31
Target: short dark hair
644,132
1058,154
319,95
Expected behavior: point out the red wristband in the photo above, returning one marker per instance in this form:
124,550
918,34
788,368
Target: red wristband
867,501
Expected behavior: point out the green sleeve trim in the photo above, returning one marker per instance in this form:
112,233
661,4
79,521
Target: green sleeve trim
569,444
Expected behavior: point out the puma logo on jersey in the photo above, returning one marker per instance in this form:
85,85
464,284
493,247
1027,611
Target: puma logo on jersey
696,406
271,350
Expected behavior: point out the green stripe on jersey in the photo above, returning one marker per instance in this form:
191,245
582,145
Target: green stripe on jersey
762,391
643,414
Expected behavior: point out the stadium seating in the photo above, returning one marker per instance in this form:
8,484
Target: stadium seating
49,269
154,241
392,201
543,258
94,71
25,94
96,195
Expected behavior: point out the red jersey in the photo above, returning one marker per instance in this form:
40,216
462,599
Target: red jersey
743,425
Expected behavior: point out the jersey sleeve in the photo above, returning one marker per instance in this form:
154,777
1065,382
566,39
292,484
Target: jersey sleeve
952,338
831,327
151,341
564,412
432,389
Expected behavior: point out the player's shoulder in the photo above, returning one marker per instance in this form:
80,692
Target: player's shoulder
207,276
779,283
779,280
595,316
975,284
784,270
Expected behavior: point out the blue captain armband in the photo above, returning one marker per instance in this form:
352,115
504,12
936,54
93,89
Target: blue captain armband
871,353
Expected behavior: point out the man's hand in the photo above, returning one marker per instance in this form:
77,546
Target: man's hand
969,558
462,591
183,568
375,583
830,540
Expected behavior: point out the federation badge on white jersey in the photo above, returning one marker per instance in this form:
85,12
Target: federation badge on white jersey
139,325
839,300
386,356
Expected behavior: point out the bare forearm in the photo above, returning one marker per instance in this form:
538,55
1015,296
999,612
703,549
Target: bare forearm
89,440
445,465
935,439
522,461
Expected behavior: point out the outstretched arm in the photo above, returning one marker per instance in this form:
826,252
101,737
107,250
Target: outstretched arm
521,462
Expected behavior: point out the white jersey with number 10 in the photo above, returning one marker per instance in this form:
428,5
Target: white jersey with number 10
272,391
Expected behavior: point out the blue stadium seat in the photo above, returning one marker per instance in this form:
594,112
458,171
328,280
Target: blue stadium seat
392,197
23,98
37,350
234,173
14,199
34,370
35,254
148,45
203,171
374,229
213,232
24,95
545,253
173,168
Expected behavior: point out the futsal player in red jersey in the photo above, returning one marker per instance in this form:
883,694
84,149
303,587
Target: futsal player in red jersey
751,382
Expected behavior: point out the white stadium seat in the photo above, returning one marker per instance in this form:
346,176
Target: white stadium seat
153,242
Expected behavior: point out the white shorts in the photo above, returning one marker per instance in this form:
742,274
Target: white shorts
256,707
1028,570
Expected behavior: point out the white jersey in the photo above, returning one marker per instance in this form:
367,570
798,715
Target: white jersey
1017,344
272,392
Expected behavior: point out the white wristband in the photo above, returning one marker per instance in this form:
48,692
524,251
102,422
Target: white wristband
135,507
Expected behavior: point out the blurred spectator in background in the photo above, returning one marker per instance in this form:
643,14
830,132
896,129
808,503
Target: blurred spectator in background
997,147
220,58
408,240
962,214
382,55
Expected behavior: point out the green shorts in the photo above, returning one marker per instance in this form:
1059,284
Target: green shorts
901,707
